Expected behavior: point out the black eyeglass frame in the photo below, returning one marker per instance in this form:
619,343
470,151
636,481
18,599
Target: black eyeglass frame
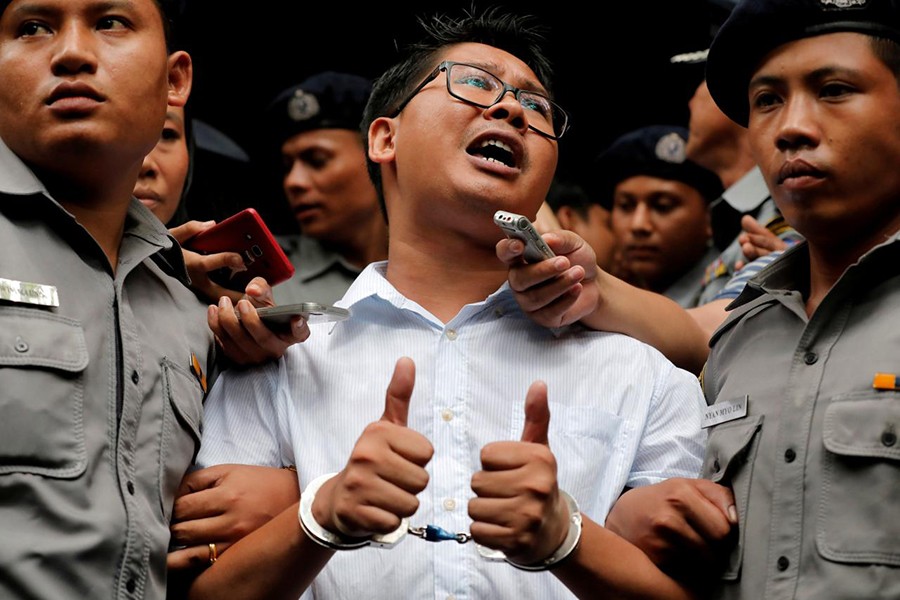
445,66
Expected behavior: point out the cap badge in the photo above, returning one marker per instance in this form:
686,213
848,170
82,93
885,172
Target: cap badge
843,3
670,148
302,106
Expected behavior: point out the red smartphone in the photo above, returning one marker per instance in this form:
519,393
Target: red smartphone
246,234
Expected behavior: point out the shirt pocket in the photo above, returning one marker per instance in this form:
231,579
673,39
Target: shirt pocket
42,361
857,517
180,442
731,450
589,444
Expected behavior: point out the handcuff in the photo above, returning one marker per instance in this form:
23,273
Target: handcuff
429,533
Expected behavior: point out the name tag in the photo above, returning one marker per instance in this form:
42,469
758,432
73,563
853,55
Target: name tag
725,411
28,293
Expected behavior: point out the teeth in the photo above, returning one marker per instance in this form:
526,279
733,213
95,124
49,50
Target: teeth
497,143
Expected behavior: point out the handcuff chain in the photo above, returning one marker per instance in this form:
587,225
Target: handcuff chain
433,533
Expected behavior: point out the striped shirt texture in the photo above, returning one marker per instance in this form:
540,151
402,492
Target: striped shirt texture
621,416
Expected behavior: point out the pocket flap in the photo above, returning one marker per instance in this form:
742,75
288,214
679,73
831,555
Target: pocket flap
863,427
724,452
33,337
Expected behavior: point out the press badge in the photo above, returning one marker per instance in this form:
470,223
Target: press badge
23,292
724,412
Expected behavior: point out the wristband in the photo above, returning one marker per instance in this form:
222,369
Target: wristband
566,548
336,541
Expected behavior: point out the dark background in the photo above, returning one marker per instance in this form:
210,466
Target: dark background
612,62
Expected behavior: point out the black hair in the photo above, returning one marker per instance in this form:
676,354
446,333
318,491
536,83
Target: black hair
564,192
520,35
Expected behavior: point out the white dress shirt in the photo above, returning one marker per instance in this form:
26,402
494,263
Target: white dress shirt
620,415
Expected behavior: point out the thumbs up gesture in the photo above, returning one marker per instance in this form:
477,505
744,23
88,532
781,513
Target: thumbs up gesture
518,508
386,469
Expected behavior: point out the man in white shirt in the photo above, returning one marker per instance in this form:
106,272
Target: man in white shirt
497,437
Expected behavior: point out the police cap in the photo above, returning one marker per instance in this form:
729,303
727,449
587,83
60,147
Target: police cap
326,100
756,27
655,151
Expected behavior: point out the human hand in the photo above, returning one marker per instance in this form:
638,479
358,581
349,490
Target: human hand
199,266
377,489
222,504
247,340
518,508
681,524
557,291
756,240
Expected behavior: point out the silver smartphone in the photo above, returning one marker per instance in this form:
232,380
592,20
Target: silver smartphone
519,227
313,312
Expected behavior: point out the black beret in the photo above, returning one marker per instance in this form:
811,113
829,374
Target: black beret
756,27
327,100
655,151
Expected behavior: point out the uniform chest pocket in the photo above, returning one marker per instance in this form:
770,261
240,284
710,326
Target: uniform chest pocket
183,407
857,518
730,453
42,362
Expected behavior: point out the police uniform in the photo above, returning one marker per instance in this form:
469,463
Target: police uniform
809,444
804,412
748,195
658,151
321,275
326,100
102,378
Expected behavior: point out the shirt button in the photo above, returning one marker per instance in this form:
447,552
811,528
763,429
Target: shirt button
447,415
783,563
451,334
889,438
21,345
810,358
789,455
449,504
130,487
135,377
130,585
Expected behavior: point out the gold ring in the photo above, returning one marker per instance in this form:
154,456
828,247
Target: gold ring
213,554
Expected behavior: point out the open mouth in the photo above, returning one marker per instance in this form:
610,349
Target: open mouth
493,150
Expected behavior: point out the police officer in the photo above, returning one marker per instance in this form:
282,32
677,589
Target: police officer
314,126
802,377
105,353
659,200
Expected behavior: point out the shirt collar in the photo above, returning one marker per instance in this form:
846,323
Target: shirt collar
373,283
748,192
15,177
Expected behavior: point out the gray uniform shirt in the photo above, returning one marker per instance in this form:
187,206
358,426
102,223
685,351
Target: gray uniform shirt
814,463
319,274
100,406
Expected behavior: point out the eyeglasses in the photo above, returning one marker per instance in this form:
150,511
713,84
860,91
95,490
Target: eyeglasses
476,86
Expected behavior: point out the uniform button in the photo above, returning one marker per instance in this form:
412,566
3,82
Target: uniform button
447,415
789,455
451,334
889,438
810,358
783,563
130,487
21,345
130,585
135,377
449,504
498,312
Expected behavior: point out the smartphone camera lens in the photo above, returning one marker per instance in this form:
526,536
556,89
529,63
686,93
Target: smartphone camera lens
257,251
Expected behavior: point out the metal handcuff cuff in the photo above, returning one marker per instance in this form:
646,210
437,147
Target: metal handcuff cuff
431,533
